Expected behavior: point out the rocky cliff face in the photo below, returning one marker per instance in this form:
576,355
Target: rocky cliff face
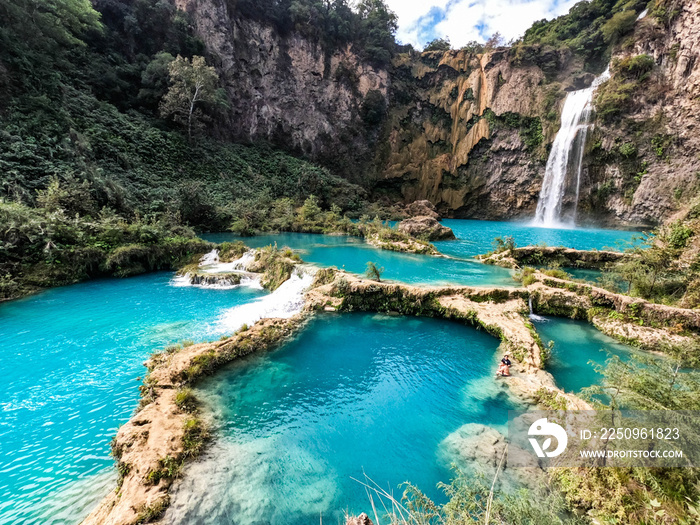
644,166
469,131
288,90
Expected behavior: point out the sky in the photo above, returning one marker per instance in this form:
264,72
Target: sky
462,21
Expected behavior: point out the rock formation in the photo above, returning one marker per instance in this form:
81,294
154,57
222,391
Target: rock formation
288,90
423,208
469,132
426,227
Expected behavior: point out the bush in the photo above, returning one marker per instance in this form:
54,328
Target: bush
373,108
438,44
374,272
619,25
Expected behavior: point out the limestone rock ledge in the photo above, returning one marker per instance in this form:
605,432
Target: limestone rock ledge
152,448
545,255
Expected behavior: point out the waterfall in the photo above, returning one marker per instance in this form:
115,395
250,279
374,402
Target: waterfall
285,302
230,267
211,265
210,258
533,315
566,157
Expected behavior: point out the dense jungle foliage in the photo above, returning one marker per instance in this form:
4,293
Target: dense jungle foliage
590,29
82,147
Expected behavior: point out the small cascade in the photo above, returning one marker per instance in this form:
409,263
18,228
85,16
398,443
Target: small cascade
533,315
564,163
285,302
223,276
209,259
238,265
642,14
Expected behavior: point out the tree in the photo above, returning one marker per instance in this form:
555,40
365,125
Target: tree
373,107
311,209
378,24
495,41
438,44
374,272
155,79
193,84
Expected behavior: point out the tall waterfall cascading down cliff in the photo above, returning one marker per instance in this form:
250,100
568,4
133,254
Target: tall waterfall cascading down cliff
566,157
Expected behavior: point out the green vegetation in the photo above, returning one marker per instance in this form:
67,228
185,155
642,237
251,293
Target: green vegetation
438,44
194,437
150,513
374,272
275,265
614,97
472,500
192,84
664,267
93,182
549,399
48,246
590,29
185,400
530,128
642,383
504,244
370,27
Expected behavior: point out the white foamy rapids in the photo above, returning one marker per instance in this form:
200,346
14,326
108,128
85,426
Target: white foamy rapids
566,156
238,265
642,14
180,281
211,258
285,302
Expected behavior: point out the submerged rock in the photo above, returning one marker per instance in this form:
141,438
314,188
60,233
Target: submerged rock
479,449
422,208
426,227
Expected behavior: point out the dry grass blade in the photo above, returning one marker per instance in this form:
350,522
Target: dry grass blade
493,486
399,514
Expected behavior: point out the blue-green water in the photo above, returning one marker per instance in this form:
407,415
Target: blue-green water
70,360
474,237
353,393
575,344
71,356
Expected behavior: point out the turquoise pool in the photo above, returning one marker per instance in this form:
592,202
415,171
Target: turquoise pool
353,394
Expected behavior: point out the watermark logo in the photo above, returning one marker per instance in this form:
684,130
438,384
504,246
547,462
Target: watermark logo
542,427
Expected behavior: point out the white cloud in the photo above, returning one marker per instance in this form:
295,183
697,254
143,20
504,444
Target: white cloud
464,20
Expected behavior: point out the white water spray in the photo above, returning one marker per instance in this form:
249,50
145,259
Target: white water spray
533,315
210,264
209,259
566,156
285,302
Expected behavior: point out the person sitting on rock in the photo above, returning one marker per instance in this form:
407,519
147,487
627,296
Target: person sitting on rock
504,367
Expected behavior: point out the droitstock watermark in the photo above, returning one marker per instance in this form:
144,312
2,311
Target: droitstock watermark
605,438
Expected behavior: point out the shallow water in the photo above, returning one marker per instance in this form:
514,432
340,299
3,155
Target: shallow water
70,360
474,237
71,357
353,393
576,343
